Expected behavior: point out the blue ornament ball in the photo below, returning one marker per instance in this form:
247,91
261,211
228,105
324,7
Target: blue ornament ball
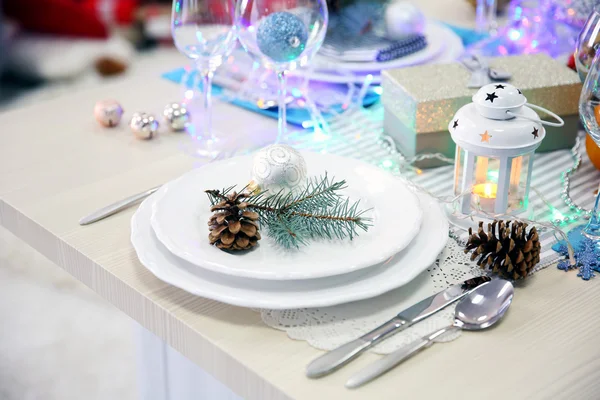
282,36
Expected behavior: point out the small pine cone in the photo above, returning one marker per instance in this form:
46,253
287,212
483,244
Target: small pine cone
512,253
232,227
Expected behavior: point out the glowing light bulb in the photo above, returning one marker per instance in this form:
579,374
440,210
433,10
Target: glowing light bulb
487,191
514,34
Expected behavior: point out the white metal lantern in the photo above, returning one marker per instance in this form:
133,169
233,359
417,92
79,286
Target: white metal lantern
496,136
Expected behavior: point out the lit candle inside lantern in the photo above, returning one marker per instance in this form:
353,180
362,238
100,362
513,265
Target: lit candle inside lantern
485,196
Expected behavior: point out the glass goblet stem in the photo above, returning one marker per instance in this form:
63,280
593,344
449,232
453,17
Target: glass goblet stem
592,229
252,82
281,94
207,77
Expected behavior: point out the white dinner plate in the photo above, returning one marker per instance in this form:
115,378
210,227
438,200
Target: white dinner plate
182,210
452,49
257,293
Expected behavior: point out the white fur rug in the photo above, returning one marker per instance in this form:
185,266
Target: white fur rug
58,339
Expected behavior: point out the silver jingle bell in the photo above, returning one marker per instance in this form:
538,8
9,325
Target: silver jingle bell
176,116
108,113
144,126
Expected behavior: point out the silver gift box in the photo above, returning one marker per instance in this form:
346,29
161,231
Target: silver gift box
419,101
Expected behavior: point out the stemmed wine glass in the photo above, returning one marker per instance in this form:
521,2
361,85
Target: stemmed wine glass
587,60
203,31
284,35
587,42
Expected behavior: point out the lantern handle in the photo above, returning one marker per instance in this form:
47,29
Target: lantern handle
549,123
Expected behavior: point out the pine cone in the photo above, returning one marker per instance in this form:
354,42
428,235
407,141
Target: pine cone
512,254
232,227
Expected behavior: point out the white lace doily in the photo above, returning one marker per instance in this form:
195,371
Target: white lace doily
329,327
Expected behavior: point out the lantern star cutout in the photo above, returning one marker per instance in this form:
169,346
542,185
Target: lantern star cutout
535,133
455,124
485,137
500,86
491,96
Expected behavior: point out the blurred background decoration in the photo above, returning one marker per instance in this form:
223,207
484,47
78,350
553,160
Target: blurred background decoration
56,40
63,42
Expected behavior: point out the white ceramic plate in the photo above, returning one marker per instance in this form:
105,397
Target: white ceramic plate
435,45
182,210
452,49
323,292
363,48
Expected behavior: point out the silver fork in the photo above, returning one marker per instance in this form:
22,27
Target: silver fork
123,204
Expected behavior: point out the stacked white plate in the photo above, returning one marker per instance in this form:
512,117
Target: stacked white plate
443,46
170,235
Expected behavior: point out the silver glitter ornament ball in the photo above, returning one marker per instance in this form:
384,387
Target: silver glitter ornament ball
282,36
278,167
176,116
403,19
108,113
144,126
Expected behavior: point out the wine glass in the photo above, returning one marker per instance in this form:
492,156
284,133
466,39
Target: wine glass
587,42
284,35
203,31
589,112
587,61
486,16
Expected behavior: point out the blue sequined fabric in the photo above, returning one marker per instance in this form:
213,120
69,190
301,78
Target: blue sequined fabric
402,48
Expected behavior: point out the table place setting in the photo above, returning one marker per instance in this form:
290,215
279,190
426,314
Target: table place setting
311,199
329,241
340,234
169,232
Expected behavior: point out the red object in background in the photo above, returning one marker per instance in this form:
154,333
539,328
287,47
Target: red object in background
279,5
81,18
270,5
571,62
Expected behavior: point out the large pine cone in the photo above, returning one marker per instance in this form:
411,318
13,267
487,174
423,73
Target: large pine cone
232,227
512,254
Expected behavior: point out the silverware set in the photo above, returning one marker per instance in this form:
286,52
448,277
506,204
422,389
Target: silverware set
482,303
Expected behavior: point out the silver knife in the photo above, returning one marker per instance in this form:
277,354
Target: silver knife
336,358
116,207
121,205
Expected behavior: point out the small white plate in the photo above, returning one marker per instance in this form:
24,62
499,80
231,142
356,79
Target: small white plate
182,210
256,293
452,49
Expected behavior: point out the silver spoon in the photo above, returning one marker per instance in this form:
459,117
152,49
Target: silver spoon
481,309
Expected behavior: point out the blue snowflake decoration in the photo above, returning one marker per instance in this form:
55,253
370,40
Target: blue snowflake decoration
587,253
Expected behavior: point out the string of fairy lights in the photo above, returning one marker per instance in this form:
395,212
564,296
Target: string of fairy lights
405,163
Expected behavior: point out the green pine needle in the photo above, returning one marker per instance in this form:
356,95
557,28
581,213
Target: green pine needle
316,211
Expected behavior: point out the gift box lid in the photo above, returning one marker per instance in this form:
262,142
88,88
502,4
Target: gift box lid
425,98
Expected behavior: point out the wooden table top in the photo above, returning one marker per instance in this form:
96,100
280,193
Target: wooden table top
57,164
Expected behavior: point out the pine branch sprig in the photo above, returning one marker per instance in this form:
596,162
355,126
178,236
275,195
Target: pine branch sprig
216,196
342,220
318,210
